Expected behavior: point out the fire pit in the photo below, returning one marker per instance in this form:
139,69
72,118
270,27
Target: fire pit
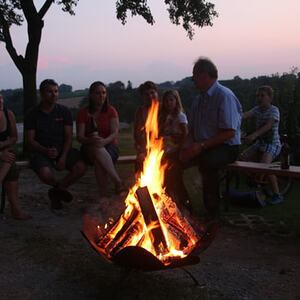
136,257
151,233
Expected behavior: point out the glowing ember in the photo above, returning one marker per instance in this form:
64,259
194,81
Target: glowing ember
151,220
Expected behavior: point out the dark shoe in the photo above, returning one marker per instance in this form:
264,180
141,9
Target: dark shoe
55,201
276,199
65,195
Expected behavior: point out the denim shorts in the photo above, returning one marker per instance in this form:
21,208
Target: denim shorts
274,150
39,160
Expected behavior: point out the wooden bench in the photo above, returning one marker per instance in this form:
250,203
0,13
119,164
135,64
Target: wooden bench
126,159
25,164
261,168
270,169
293,171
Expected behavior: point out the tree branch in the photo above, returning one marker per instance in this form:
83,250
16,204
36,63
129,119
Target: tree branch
29,10
17,59
45,8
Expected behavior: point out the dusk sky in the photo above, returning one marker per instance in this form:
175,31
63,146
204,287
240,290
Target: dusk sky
248,39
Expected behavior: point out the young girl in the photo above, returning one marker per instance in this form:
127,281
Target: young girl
97,130
172,121
173,129
266,137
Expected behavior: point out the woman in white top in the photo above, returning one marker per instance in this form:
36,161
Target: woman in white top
173,128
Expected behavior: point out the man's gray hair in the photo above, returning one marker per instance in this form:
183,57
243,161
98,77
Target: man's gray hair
204,64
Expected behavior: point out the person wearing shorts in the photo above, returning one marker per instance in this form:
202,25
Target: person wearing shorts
48,136
264,142
97,129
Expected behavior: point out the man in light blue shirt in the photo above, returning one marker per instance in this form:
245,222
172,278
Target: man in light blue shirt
214,136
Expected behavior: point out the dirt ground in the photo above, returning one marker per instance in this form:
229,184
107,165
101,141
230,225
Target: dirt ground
48,258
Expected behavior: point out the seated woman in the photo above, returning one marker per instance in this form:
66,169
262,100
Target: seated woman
149,92
8,171
265,140
97,129
173,128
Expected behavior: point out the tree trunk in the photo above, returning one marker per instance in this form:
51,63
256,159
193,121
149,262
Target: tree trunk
29,95
29,88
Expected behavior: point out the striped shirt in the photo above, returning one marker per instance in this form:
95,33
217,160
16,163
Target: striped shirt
262,116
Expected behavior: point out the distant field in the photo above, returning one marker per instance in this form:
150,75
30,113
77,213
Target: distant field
71,102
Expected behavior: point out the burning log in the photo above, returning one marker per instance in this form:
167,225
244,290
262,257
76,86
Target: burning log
177,232
150,217
127,238
107,242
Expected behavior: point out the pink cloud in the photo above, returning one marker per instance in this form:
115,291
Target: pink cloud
45,62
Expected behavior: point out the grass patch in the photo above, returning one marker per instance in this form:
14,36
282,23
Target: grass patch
126,142
285,217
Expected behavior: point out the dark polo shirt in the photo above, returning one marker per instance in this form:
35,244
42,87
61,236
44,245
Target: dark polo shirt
49,128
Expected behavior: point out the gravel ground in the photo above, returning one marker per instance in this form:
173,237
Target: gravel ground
48,258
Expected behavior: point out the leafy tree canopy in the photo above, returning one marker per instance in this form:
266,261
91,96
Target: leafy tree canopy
186,12
189,13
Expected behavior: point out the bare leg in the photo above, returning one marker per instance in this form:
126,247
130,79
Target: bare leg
47,176
77,171
101,178
4,168
267,158
11,188
102,157
248,155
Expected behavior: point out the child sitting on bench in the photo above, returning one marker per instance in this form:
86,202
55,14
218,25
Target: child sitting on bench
265,140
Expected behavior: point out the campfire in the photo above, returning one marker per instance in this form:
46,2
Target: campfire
151,233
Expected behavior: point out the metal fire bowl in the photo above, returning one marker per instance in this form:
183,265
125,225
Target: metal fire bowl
138,258
135,257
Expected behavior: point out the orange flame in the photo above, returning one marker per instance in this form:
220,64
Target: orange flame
170,219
